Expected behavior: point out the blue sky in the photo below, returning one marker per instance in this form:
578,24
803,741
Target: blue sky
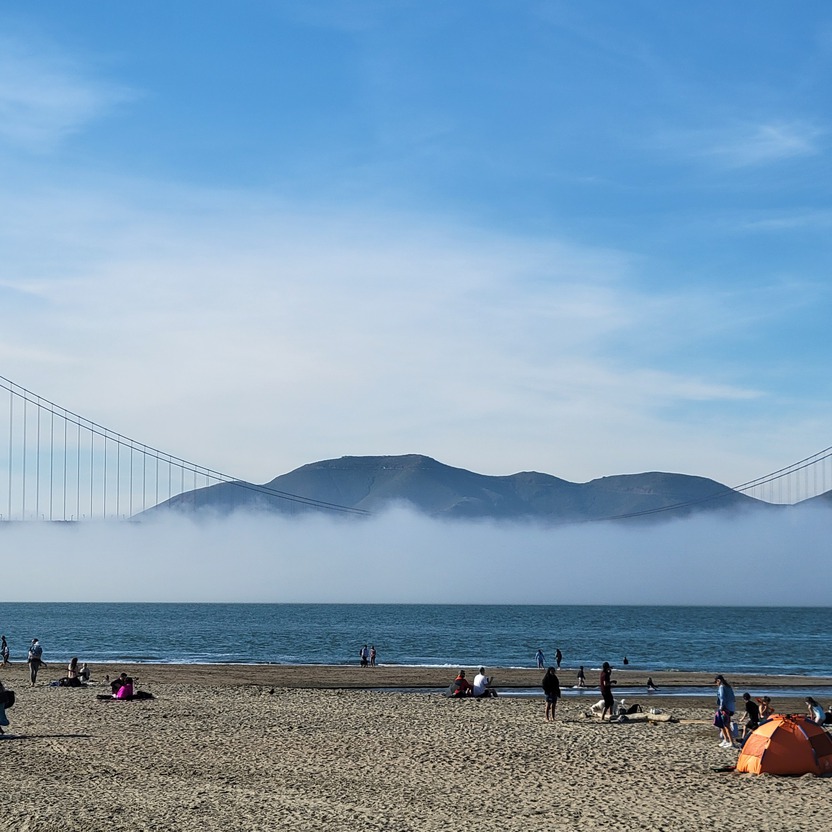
580,238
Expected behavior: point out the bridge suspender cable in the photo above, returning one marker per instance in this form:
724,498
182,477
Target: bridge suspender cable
93,430
724,492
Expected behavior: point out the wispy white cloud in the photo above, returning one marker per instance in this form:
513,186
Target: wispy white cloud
746,144
327,333
45,96
819,219
764,144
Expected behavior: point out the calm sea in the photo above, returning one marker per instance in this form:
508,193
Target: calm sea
721,639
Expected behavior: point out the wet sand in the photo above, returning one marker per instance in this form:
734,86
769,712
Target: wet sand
308,748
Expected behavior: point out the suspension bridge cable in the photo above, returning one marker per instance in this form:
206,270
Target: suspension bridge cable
94,429
726,491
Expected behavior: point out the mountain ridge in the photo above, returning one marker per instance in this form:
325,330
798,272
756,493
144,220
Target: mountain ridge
370,484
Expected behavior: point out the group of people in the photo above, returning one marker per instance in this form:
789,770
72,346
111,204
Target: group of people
120,688
367,656
76,677
479,689
757,711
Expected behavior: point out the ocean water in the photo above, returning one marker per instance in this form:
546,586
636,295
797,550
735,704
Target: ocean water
768,640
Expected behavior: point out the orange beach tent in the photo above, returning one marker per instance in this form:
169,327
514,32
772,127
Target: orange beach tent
787,744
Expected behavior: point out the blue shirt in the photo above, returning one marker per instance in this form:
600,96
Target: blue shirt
725,700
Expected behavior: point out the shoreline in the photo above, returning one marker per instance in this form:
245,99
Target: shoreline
354,677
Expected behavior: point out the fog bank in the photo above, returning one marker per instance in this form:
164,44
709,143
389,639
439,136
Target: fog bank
401,557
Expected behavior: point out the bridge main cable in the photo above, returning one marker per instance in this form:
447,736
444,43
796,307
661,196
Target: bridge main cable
147,451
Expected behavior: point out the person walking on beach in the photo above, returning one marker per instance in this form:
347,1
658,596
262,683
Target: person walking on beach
35,660
538,657
606,691
373,656
4,649
551,690
581,677
725,707
364,654
558,657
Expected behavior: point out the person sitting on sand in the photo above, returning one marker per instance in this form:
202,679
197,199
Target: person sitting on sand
752,716
126,690
461,686
650,684
551,690
121,688
84,673
117,683
816,712
766,710
482,689
73,675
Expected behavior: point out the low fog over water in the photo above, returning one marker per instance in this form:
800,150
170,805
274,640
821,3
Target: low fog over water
400,557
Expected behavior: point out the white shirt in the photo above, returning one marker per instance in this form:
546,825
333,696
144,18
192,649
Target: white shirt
480,684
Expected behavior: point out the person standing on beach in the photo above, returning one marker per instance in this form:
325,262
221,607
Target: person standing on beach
581,677
725,706
373,656
558,657
538,657
35,660
606,691
364,653
551,690
4,700
4,649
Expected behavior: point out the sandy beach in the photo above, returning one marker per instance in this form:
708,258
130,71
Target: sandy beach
275,747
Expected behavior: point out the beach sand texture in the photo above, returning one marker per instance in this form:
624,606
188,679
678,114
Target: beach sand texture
214,752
